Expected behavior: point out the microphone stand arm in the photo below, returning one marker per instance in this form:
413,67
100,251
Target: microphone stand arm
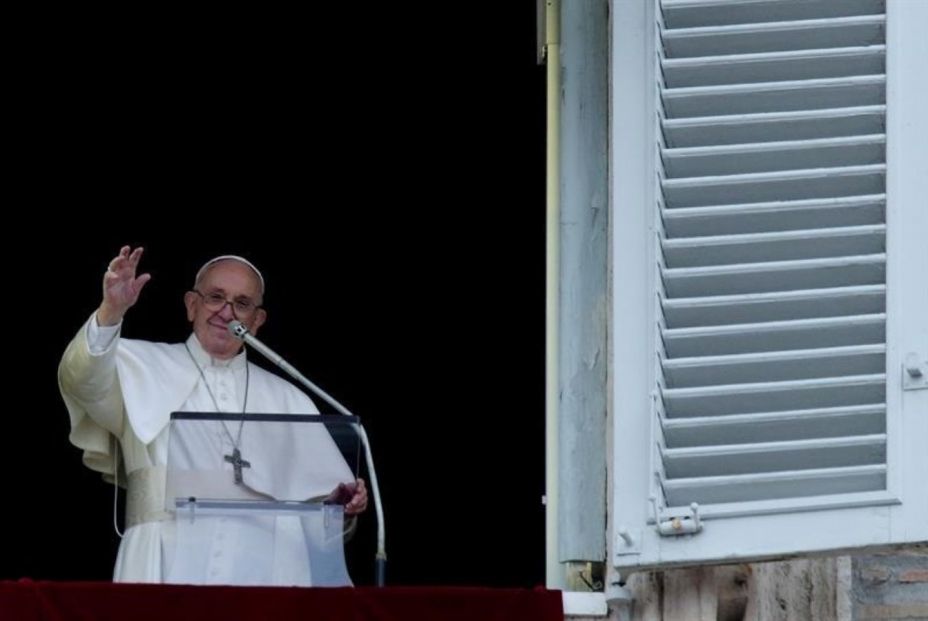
240,331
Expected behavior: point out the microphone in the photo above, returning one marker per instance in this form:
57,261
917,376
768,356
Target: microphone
241,332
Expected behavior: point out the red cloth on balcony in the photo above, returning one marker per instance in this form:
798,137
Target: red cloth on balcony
63,601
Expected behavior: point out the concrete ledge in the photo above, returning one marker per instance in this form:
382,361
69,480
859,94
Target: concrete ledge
580,604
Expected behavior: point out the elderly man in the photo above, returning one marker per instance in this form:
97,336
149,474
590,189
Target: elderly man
120,394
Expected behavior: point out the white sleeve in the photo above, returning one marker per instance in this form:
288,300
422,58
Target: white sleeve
90,388
100,338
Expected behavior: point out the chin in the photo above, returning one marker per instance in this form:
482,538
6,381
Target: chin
218,346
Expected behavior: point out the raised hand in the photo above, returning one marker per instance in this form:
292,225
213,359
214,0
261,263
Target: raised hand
121,287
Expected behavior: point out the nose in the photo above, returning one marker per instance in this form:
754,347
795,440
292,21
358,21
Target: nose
226,312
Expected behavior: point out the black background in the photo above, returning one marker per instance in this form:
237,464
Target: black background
383,165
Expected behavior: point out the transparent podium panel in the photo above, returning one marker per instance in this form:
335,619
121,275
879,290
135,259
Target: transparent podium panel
258,499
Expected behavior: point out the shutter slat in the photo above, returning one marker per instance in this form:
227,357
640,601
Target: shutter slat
694,13
773,36
774,306
774,126
773,156
774,216
775,335
775,276
779,185
817,94
774,66
725,399
785,484
773,426
774,246
757,457
773,366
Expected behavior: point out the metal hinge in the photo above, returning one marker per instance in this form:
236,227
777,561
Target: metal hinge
914,373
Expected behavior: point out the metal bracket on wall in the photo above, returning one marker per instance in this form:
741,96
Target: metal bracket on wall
914,373
672,526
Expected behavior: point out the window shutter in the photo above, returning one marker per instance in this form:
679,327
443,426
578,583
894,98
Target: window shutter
769,408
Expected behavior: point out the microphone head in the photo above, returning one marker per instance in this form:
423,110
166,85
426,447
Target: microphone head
238,329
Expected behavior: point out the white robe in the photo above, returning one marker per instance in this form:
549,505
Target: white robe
128,392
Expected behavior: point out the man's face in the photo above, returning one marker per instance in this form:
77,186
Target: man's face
235,282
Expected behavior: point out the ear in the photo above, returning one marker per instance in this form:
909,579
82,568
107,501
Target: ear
258,321
190,301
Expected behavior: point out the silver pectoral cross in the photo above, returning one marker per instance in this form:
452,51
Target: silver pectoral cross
237,463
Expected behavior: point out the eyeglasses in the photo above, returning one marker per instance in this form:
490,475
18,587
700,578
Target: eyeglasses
215,301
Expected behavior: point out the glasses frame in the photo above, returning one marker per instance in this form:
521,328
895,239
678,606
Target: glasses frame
215,306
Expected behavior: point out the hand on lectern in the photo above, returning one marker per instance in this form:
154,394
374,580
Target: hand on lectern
352,495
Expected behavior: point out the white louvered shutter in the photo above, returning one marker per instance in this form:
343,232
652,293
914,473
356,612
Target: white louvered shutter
773,389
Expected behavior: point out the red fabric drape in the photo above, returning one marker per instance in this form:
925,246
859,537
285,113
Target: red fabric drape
65,601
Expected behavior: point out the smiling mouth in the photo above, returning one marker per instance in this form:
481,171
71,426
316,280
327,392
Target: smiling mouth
219,326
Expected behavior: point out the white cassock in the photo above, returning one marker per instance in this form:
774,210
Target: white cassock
126,389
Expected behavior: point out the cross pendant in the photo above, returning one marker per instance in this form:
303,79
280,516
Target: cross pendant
237,463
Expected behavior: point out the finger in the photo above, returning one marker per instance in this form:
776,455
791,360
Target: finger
136,255
120,258
140,281
118,263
